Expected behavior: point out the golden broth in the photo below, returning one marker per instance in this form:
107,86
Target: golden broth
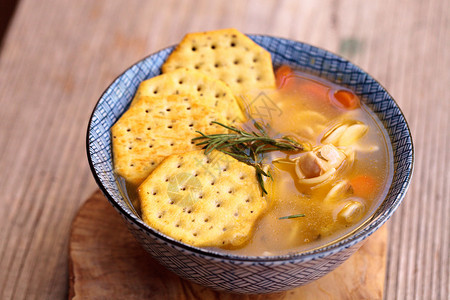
307,114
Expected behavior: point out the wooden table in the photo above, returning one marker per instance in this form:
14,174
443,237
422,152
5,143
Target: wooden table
59,56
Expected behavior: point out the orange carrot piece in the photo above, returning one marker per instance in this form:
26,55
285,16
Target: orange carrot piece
345,99
282,74
363,185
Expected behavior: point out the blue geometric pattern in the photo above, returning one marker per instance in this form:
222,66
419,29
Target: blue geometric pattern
244,274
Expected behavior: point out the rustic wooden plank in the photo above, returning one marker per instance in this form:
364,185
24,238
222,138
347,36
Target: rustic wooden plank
60,55
106,262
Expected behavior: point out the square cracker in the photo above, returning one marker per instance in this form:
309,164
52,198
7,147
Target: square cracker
227,55
211,92
204,201
155,127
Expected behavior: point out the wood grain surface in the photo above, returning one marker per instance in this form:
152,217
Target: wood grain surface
106,262
58,57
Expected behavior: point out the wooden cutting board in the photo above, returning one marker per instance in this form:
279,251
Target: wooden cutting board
106,262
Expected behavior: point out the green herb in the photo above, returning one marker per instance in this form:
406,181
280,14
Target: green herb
292,217
248,147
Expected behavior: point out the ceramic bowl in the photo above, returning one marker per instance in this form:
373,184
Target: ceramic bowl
246,274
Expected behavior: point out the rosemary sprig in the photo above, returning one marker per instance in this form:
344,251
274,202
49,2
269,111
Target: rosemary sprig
248,147
292,216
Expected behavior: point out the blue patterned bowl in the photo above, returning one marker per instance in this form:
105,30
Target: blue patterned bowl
246,274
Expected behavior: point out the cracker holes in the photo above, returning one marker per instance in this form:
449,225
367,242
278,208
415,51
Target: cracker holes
150,146
206,220
171,202
218,204
170,126
146,111
236,214
239,80
188,108
155,92
149,128
168,109
172,144
242,177
247,200
131,165
236,62
194,48
180,81
224,229
233,44
128,129
197,67
255,59
216,65
194,234
191,125
178,166
213,47
152,163
177,225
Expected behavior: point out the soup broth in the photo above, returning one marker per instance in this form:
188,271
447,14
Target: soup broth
305,107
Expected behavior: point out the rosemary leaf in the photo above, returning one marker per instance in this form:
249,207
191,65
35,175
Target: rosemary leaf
248,147
292,216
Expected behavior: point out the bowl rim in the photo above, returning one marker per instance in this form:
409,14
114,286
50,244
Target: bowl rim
351,238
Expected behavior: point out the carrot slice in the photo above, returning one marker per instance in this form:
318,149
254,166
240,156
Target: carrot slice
345,99
282,74
363,185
